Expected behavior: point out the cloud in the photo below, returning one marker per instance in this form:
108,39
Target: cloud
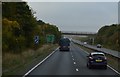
73,0
77,16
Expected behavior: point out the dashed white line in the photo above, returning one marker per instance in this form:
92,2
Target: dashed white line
72,56
74,62
77,69
73,59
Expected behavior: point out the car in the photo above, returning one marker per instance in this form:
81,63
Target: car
85,43
97,59
99,46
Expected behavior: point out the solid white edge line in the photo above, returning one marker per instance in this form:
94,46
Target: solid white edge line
113,69
107,65
40,63
77,69
86,52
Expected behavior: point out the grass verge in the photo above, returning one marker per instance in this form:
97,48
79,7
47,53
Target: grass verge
19,64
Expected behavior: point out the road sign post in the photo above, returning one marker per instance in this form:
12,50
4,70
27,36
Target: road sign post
36,41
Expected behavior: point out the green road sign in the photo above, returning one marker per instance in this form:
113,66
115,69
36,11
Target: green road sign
50,38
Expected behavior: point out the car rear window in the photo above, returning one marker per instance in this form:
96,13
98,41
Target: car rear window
98,55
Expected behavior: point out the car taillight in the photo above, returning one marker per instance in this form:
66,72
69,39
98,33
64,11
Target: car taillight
105,58
90,58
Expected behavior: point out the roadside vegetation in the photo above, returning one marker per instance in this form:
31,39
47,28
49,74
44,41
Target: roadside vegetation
107,36
19,64
88,39
19,27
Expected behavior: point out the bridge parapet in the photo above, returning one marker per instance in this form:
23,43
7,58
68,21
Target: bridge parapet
78,33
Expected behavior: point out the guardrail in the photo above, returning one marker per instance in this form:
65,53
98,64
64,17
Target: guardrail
107,51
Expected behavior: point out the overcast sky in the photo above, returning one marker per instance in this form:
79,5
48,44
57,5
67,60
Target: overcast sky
77,16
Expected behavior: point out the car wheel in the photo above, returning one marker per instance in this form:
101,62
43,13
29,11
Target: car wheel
105,67
89,66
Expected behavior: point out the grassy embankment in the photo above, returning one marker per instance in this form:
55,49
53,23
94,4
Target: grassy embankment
17,64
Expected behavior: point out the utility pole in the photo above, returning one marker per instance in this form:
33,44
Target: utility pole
93,41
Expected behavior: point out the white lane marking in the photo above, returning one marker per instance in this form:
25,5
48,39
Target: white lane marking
72,56
113,69
77,69
84,51
73,59
40,63
74,62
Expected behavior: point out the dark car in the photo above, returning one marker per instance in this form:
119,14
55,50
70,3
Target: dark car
97,59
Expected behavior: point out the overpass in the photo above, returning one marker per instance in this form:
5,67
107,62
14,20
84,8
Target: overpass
77,33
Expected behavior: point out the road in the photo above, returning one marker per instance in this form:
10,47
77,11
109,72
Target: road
69,63
108,51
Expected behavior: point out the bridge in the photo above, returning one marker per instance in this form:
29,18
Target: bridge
78,33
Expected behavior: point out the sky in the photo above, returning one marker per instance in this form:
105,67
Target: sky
72,0
77,16
60,0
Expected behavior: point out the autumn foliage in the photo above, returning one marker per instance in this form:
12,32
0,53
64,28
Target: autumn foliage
19,26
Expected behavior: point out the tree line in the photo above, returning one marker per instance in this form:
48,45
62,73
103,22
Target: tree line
19,26
109,36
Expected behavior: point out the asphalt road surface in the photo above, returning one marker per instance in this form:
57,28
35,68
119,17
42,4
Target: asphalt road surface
69,63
